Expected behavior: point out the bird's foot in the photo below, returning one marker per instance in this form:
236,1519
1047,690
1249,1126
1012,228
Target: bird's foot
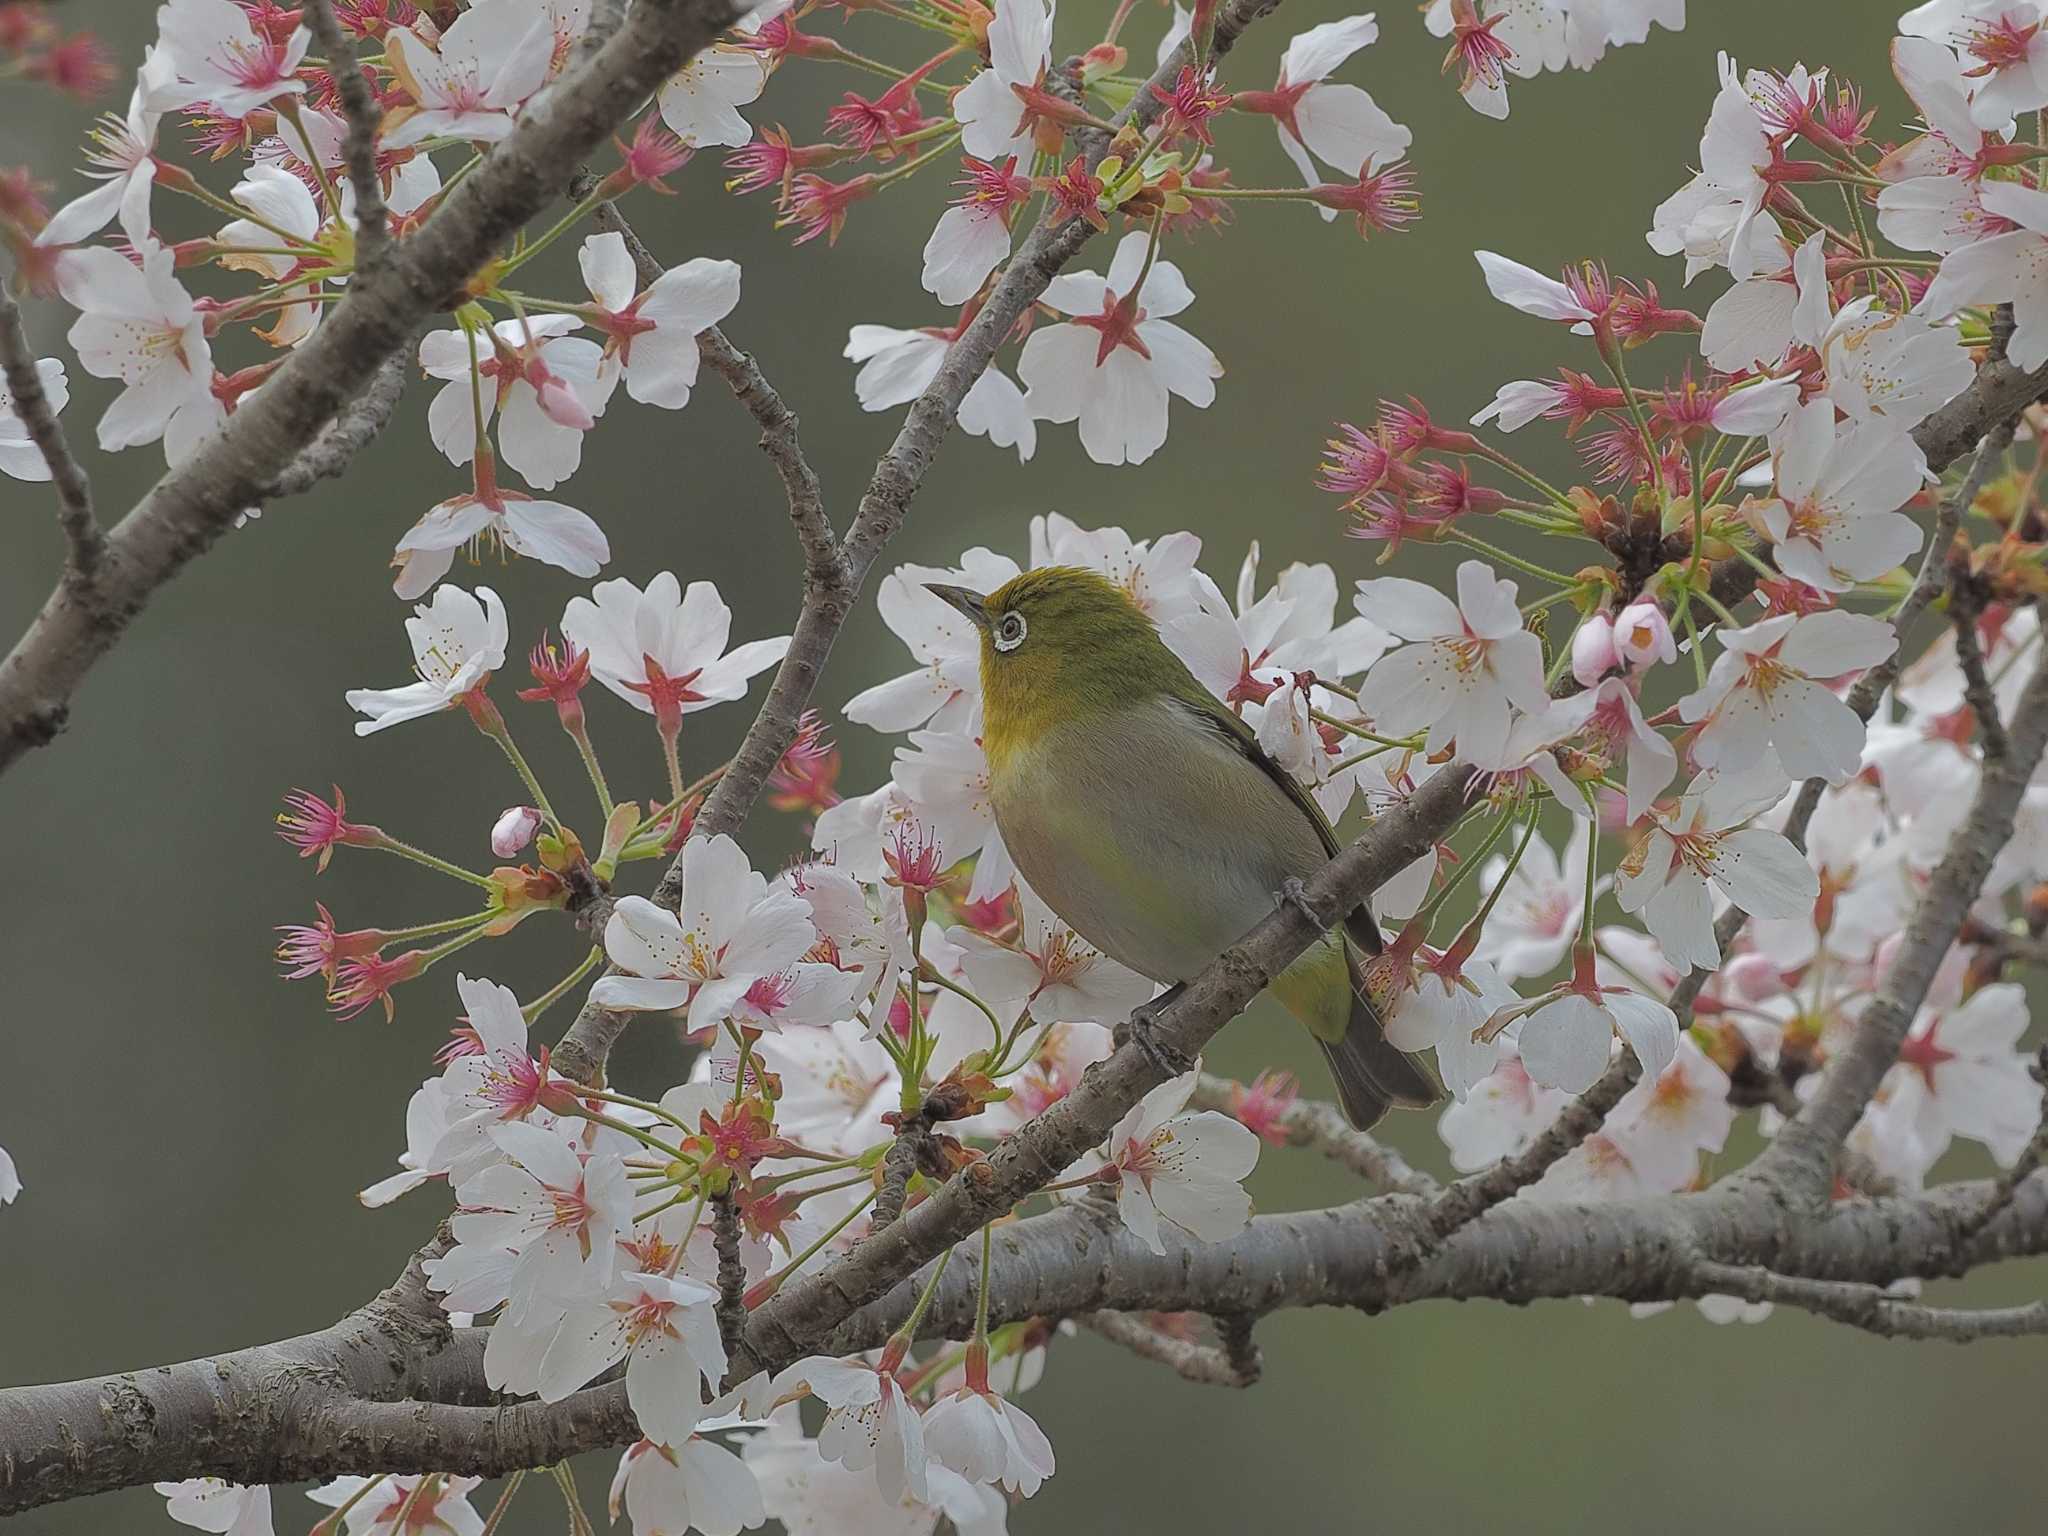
1142,1030
1295,895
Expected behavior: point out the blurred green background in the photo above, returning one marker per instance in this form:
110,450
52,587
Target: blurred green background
191,1130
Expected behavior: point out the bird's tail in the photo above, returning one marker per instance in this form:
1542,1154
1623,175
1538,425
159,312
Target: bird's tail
1371,1075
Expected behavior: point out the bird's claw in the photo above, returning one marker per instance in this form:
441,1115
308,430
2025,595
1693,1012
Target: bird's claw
1295,895
1142,1030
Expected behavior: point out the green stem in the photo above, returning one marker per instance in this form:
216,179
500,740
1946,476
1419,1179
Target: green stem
554,994
1465,868
1516,562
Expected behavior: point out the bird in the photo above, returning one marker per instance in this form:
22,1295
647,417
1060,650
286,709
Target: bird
1144,813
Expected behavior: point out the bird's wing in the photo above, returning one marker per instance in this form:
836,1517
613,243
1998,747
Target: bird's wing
1202,706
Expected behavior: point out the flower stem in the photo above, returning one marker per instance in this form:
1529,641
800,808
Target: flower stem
554,994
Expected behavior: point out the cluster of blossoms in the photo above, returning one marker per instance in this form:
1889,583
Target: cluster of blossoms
451,80
1747,512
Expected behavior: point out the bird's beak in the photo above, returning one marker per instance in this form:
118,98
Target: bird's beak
969,603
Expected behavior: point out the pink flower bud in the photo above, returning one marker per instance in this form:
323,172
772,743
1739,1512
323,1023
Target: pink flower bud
1752,978
1593,654
560,404
514,830
1642,635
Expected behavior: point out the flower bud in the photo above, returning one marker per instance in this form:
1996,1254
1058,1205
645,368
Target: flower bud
1752,978
514,830
1642,635
1593,653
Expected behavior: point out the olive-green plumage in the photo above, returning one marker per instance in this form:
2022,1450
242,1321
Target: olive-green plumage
1145,814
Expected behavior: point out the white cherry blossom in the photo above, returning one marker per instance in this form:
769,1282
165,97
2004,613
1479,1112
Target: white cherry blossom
869,1422
226,1509
1114,362
218,56
545,386
898,365
1763,692
734,932
701,102
123,154
1340,124
471,86
1706,839
699,1485
561,1217
652,335
994,121
944,693
1834,520
1468,665
458,641
1186,1170
396,1505
136,324
2009,267
1049,969
664,649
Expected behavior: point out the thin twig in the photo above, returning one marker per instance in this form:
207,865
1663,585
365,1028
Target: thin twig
359,144
74,490
330,455
732,1269
1200,1363
2007,1184
1871,1308
1318,1124
1964,610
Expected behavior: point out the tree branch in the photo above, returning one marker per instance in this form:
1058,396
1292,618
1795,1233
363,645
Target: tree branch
1321,1125
1203,1364
359,145
1802,1153
198,501
1869,1307
74,490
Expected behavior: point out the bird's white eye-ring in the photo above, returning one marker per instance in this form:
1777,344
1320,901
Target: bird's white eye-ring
1009,631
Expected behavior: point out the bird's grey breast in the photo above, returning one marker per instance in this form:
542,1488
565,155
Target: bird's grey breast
1151,834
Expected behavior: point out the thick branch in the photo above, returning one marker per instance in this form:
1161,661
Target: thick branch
198,501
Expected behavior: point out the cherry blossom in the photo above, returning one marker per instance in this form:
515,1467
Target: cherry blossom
664,1328
897,366
1184,1169
498,1081
1707,839
973,236
2007,43
282,202
1762,693
426,1123
1566,1035
1468,665
995,121
1757,320
227,1509
1933,203
137,325
1114,362
1834,519
944,693
547,385
1500,1115
1718,218
458,641
986,1438
1340,124
1158,575
1961,1073
944,784
699,1485
395,1505
651,336
1532,926
548,531
701,102
471,86
734,932
562,1217
815,1497
664,650
124,157
869,1422
1491,39
217,56
1446,1012
19,456
1528,290
2010,267
1050,969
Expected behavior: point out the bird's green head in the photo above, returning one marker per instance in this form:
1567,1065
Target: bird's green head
1056,644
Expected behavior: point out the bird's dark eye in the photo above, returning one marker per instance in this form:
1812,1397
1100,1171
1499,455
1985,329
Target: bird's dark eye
1009,631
